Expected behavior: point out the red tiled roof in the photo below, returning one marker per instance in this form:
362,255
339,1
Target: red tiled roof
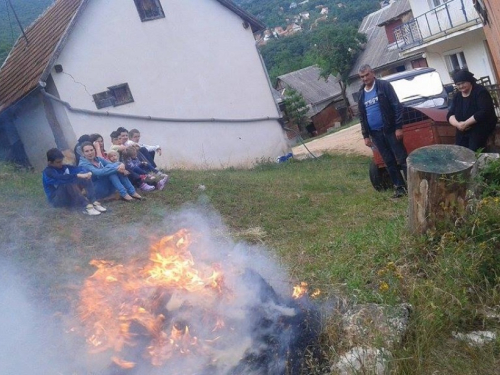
27,62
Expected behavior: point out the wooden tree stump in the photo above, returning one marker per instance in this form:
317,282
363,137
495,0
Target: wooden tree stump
438,178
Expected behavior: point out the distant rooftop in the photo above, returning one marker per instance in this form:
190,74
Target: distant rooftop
315,90
376,54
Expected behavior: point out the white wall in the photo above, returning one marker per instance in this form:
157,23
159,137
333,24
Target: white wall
197,145
419,7
473,46
34,130
197,62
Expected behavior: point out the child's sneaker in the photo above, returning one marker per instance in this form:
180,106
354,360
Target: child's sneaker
98,207
162,183
146,187
90,210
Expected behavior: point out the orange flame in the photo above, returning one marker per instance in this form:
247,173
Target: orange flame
121,302
299,290
316,293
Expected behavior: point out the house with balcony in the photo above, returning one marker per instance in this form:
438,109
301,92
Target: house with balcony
381,51
449,33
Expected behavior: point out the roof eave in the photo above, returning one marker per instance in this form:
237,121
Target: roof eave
396,17
254,22
62,42
4,108
406,58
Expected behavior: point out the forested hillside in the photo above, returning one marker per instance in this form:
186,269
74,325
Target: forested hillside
276,12
281,55
333,43
27,11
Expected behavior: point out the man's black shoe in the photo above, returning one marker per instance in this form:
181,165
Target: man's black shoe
399,192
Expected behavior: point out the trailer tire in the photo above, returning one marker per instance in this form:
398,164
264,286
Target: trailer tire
379,177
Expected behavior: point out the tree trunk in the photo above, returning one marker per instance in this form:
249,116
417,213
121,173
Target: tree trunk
343,89
438,177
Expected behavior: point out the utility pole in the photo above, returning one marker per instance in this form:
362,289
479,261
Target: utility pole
18,22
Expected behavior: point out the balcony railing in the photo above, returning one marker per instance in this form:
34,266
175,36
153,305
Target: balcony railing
445,19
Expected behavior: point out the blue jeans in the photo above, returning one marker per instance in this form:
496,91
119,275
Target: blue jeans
393,152
107,185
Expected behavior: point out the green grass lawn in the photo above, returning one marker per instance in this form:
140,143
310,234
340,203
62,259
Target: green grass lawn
320,219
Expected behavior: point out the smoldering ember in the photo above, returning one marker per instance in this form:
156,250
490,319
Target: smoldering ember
182,311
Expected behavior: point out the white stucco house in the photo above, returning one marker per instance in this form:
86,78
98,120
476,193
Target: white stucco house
381,51
186,73
450,35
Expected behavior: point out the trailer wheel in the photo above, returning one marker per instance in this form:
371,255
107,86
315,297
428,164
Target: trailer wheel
379,177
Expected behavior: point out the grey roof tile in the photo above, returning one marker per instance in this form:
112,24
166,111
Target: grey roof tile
376,52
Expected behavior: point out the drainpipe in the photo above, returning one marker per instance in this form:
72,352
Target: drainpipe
162,119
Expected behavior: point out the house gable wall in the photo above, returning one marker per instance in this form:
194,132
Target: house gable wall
199,62
190,64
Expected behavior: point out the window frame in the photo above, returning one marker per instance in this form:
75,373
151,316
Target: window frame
432,3
115,89
461,59
110,97
141,10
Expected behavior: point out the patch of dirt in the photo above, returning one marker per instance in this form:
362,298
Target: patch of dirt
347,141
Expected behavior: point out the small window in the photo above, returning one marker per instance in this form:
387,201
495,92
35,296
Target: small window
115,96
436,3
121,93
149,9
104,99
455,62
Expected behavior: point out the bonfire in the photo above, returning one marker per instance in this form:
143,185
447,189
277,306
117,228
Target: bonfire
193,316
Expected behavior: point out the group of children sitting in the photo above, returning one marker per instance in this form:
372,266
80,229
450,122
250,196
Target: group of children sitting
98,174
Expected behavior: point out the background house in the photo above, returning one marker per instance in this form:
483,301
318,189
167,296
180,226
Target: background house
381,51
324,98
186,73
450,34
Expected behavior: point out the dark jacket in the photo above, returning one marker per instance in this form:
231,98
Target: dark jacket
53,177
389,105
479,105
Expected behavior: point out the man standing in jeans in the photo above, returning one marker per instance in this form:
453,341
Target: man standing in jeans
380,114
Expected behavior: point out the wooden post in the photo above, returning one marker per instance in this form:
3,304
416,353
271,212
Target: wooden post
438,177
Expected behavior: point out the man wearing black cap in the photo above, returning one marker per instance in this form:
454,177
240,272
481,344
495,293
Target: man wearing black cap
472,112
380,114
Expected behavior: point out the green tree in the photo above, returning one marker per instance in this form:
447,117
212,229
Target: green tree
285,55
296,108
337,48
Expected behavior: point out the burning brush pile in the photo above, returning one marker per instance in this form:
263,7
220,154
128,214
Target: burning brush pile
176,313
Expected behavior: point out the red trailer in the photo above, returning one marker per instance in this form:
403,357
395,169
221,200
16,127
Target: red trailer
421,127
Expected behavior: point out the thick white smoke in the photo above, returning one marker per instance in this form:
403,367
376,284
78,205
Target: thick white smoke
262,324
